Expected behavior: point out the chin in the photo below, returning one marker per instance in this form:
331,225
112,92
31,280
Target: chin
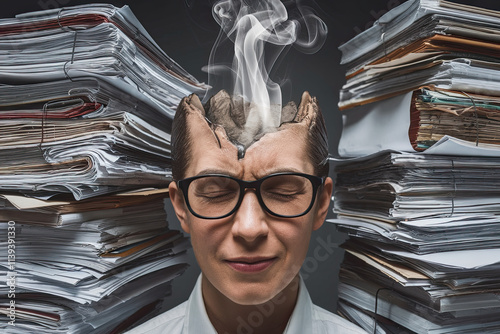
251,300
252,295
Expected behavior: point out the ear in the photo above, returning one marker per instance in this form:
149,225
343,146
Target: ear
179,205
324,198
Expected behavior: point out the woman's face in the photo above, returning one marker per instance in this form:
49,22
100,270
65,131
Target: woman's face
250,256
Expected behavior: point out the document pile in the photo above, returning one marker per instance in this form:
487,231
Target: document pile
428,65
87,266
421,205
87,96
86,104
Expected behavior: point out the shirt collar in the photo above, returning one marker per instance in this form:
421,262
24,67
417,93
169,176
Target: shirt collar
301,319
197,321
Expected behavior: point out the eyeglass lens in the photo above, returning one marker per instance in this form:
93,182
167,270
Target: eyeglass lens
215,196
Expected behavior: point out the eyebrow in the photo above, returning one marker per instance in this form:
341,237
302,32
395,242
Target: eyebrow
215,171
280,170
269,172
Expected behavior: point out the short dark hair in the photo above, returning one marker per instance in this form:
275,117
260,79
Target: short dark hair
317,143
180,141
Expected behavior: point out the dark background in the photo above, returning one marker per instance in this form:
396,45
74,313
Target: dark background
186,31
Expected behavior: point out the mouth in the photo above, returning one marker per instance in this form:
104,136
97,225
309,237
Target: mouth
251,264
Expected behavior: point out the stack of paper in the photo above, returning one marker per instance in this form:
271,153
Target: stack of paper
433,62
424,241
96,112
430,120
422,42
419,195
86,104
88,266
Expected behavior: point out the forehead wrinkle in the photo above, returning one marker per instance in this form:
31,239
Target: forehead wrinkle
217,161
282,151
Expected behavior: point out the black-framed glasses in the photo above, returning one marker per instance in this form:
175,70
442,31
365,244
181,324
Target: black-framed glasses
286,195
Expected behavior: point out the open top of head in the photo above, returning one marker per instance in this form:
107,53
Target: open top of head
222,121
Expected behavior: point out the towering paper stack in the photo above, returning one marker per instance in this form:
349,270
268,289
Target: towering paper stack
86,104
425,70
417,185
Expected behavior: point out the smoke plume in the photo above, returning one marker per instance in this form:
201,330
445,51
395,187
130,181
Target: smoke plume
256,34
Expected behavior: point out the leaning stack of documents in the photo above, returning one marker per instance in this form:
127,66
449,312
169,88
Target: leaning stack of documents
430,65
418,188
424,242
430,120
88,266
87,100
86,103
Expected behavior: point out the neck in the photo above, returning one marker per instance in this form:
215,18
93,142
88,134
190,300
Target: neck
270,317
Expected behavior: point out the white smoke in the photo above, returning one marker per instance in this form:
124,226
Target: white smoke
253,28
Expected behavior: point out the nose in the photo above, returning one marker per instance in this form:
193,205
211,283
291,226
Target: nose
250,219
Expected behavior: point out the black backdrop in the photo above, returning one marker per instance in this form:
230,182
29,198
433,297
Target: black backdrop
186,31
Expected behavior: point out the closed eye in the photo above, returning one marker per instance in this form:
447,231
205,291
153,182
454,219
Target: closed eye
282,195
217,195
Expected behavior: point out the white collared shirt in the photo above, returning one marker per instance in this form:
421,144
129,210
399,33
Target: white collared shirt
191,317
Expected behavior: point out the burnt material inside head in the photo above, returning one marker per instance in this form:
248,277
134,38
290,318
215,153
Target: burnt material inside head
243,123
